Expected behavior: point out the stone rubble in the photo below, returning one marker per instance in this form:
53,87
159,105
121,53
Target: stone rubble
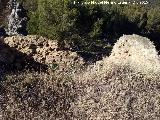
41,50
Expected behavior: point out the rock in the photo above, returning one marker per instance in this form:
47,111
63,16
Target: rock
137,51
43,50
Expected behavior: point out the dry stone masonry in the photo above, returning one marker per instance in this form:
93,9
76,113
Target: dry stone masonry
43,51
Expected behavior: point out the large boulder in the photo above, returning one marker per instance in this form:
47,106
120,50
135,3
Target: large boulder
137,51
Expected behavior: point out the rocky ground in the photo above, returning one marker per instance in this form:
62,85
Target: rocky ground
123,86
19,51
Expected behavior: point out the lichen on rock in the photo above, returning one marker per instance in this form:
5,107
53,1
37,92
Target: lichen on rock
43,50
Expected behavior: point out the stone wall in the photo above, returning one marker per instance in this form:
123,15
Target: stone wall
39,49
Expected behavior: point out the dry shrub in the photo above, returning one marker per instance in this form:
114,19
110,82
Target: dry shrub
120,95
137,51
112,89
27,96
134,51
123,86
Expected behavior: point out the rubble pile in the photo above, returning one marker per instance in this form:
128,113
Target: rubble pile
40,49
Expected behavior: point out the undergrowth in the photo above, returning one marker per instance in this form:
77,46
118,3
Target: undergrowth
116,92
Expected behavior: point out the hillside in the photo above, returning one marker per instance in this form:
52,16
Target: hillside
66,61
87,28
125,85
37,53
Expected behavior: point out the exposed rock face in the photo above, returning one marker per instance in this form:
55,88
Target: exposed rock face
43,51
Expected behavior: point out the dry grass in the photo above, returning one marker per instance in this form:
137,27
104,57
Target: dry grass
137,51
123,86
121,94
26,96
108,90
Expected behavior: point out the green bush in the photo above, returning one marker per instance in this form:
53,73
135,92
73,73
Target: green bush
84,27
154,19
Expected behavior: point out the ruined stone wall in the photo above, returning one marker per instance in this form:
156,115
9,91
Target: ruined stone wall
39,49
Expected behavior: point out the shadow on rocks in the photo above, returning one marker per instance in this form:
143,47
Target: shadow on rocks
12,60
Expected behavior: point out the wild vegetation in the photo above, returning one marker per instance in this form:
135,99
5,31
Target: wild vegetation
91,27
125,85
117,87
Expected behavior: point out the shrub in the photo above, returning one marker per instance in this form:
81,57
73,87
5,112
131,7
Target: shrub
84,27
114,88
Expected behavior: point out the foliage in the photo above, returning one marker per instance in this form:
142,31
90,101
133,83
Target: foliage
154,19
90,27
3,12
